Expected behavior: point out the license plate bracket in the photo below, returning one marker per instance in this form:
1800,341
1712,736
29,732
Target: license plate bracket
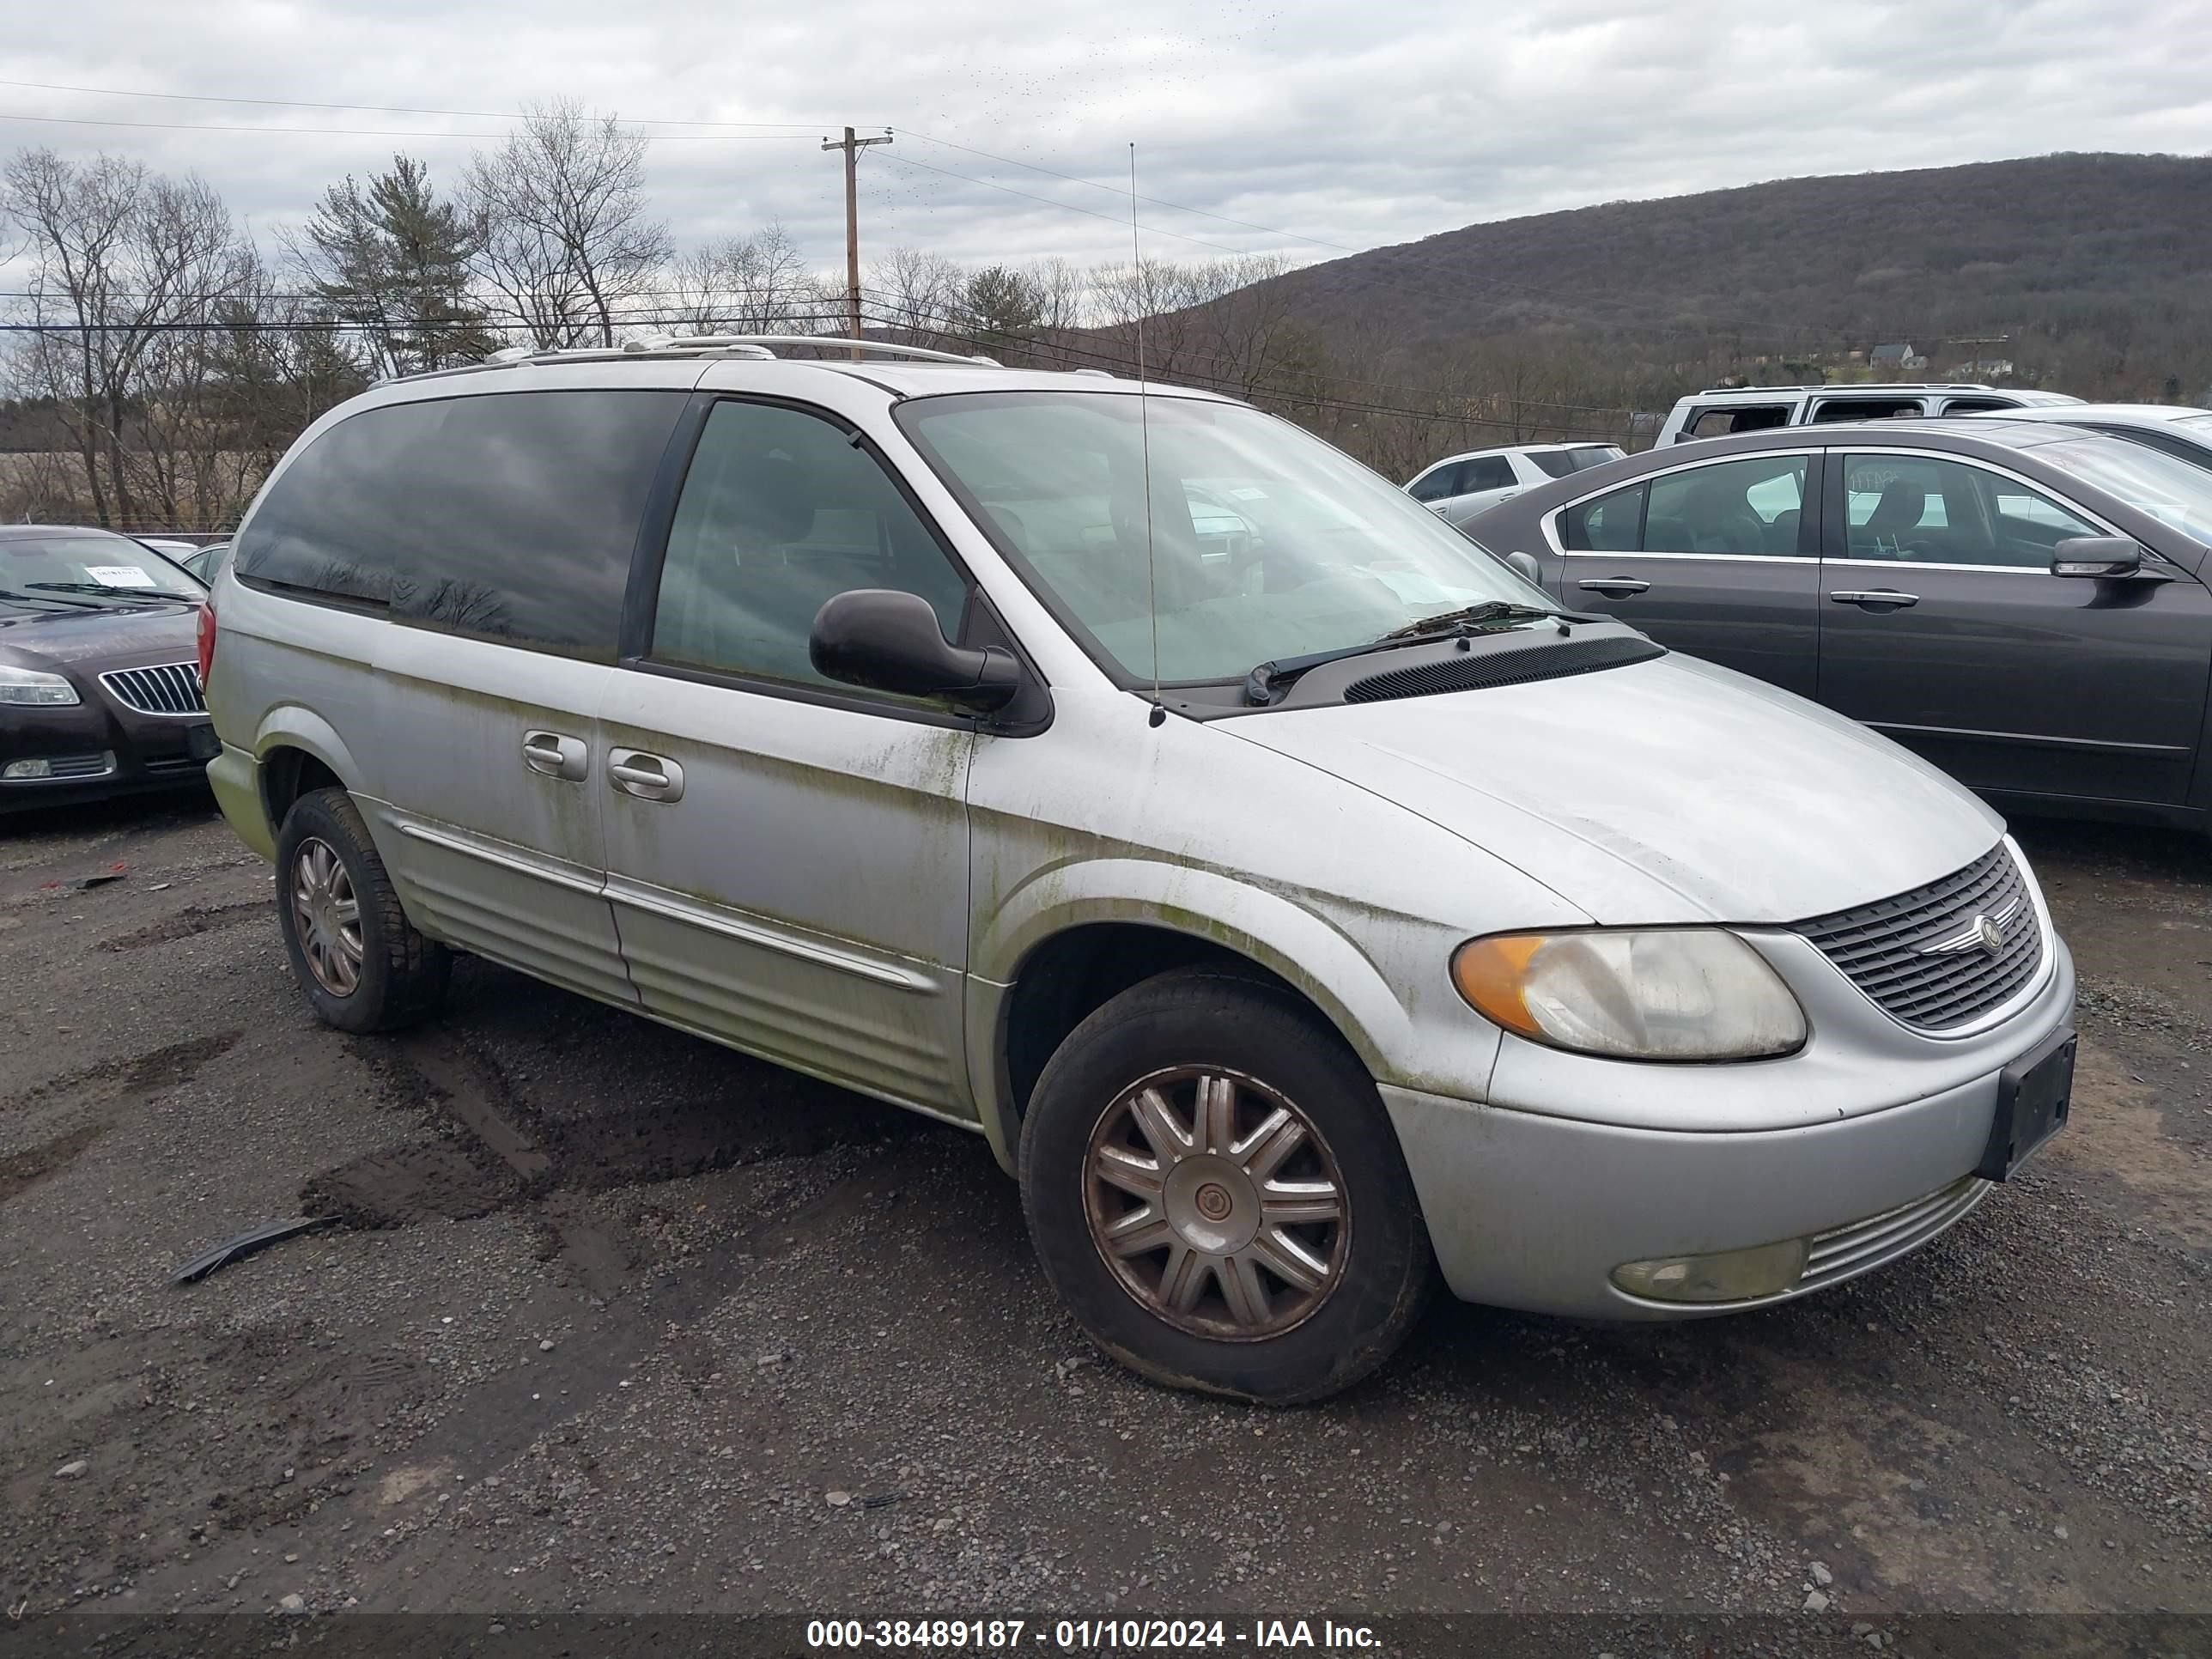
2034,1095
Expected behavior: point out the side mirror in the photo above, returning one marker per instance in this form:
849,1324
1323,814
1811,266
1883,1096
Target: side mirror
889,641
1526,565
2096,555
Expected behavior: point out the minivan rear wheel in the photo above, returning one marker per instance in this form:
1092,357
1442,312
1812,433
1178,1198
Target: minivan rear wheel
1215,1191
362,964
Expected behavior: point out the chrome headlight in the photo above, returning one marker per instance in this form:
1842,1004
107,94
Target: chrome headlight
28,685
1657,993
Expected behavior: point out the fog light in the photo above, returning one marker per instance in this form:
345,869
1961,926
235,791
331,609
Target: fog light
1725,1276
29,768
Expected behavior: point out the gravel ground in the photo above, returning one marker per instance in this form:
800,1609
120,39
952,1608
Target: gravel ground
615,1320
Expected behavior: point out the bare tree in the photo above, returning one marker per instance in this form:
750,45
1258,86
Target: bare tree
568,237
122,262
756,284
916,295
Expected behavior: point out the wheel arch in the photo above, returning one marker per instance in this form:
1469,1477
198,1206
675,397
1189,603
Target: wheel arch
295,750
1081,935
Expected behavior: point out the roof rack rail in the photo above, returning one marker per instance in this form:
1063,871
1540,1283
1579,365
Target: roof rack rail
1852,386
699,345
674,343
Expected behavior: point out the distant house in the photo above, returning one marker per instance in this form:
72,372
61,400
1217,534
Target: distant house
1900,357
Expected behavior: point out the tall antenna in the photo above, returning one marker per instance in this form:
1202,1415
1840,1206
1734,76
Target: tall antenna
1145,440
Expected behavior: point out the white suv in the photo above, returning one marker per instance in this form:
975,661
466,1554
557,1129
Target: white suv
1719,411
1460,486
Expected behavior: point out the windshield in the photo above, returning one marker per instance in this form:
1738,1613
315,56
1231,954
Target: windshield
1264,542
2171,490
89,568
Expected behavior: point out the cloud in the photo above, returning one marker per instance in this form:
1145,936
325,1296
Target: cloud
1344,124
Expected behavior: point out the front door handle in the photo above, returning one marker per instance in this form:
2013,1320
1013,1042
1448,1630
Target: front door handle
1879,598
555,755
1615,587
649,777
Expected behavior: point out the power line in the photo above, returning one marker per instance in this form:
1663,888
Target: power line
381,109
370,132
1624,311
953,320
966,329
395,326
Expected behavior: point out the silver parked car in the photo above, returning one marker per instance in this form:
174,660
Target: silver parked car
1461,486
1291,895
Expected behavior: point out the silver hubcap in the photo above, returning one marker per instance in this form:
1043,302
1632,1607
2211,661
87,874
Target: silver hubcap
328,916
1216,1203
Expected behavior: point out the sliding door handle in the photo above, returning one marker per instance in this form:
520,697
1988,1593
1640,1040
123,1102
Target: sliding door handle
1878,598
649,777
1615,587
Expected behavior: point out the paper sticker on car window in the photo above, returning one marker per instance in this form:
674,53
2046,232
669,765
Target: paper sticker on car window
118,575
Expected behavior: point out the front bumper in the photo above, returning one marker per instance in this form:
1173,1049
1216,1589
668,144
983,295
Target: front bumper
101,748
1529,1207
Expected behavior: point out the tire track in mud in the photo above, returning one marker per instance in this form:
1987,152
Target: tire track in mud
493,1149
169,1066
188,923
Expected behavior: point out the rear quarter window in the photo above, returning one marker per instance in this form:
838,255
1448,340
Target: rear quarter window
1735,417
510,516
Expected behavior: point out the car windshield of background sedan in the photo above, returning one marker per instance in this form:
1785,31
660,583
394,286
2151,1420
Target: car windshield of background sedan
68,571
2170,489
1262,542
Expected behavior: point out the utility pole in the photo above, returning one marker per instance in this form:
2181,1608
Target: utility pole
853,146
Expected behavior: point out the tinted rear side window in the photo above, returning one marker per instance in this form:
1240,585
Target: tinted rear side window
508,515
1735,417
1611,524
1558,463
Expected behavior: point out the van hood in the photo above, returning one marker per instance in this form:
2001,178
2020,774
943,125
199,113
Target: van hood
1666,791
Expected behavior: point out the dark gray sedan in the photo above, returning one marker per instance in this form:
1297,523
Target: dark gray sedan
2022,603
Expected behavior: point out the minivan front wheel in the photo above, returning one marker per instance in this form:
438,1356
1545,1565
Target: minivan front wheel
362,964
1213,1188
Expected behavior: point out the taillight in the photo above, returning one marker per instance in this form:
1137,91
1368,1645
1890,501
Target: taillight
207,641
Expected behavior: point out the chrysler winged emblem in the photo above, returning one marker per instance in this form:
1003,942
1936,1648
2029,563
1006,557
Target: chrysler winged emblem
1985,931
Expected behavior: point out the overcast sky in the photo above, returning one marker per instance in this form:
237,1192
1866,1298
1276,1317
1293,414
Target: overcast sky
1349,124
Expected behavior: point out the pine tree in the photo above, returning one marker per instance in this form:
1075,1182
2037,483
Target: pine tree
394,260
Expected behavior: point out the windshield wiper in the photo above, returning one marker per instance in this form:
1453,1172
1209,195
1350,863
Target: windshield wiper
44,598
1269,681
1488,611
123,595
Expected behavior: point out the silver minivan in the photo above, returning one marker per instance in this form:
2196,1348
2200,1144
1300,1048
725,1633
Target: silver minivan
1296,899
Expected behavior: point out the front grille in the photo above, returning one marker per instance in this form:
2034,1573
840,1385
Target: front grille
1888,948
169,688
1474,671
1857,1245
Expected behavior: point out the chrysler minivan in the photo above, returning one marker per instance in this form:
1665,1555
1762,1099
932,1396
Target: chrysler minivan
1298,910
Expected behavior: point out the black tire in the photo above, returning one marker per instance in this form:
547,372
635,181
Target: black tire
1212,1018
402,975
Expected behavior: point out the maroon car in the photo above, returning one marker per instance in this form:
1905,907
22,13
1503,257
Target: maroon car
100,688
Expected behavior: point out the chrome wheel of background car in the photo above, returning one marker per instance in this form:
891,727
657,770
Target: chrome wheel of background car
1216,1203
328,916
